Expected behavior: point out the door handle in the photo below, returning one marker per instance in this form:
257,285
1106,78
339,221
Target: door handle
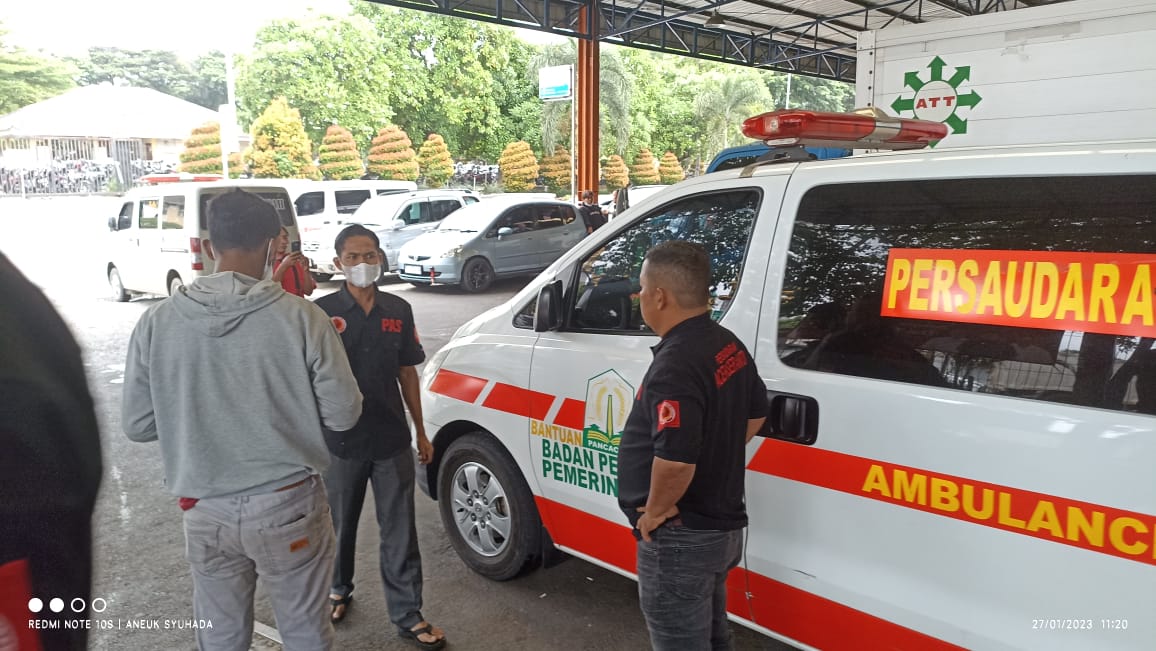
793,418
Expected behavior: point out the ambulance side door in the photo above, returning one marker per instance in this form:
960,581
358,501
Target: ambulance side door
593,366
935,455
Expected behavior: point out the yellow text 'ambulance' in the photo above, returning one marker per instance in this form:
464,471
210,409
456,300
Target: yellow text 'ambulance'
1110,531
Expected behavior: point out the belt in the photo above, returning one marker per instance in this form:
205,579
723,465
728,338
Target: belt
295,484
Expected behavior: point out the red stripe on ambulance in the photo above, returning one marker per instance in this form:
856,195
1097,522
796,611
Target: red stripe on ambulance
459,386
787,610
518,401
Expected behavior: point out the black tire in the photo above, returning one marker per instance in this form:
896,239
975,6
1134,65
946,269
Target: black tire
175,284
477,275
119,293
322,278
509,500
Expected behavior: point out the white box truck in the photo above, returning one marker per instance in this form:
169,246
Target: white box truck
1069,72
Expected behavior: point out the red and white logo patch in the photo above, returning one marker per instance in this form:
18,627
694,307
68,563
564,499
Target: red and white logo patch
668,415
338,323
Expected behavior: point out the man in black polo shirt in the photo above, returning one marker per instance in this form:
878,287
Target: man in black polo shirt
682,457
384,349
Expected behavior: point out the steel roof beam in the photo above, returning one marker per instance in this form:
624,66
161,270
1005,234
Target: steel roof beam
684,11
755,27
900,15
807,14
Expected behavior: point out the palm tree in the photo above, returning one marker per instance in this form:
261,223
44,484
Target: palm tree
615,85
725,101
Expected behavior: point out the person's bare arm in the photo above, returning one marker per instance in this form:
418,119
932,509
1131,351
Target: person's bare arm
411,393
668,483
753,427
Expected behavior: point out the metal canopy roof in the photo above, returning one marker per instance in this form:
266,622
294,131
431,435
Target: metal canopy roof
810,37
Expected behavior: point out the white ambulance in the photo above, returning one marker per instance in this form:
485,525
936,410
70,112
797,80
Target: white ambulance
958,347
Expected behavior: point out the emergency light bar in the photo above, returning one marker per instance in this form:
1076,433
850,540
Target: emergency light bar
866,129
182,177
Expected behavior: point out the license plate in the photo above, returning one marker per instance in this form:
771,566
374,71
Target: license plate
413,269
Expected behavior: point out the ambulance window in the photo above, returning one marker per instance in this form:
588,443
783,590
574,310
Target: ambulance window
1037,288
147,215
525,317
173,215
607,296
348,201
124,219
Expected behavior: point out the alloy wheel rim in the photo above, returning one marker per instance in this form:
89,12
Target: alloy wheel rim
481,509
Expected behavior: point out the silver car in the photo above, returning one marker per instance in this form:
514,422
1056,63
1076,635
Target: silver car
395,218
504,236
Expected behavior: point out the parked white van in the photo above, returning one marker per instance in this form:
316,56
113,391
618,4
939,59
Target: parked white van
155,245
396,218
959,454
318,203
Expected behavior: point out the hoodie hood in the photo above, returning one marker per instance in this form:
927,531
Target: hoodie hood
218,303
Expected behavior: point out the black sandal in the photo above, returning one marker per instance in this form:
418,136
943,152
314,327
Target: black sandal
411,636
334,604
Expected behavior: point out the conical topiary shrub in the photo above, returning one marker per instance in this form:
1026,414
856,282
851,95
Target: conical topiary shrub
281,149
202,154
435,162
556,170
340,159
670,170
615,173
644,171
391,155
518,167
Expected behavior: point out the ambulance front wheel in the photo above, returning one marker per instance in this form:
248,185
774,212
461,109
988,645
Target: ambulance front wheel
487,508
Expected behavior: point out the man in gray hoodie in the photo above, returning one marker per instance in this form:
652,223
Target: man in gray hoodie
236,378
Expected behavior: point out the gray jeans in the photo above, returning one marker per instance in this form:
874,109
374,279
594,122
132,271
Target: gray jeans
286,538
400,559
682,577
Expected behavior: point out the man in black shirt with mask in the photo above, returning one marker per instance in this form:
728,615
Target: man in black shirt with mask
681,463
384,349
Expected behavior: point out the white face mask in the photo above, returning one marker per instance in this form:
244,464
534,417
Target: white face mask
363,275
268,275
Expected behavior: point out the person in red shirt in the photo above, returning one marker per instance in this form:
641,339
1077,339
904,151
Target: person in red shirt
292,269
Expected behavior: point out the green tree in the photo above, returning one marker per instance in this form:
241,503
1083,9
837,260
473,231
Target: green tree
518,167
662,104
811,93
339,156
615,173
435,162
644,171
202,154
614,94
281,148
332,69
556,170
724,101
27,78
159,70
670,170
449,76
207,81
392,157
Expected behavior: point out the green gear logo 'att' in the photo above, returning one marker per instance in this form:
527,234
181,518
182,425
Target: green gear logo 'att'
609,398
938,100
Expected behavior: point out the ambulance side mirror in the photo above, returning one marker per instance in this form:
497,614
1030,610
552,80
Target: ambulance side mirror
548,315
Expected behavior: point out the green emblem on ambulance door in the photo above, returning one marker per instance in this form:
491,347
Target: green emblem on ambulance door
609,398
